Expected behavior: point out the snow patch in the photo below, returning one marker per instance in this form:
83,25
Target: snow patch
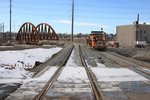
117,74
12,63
101,65
44,77
146,69
74,75
72,72
70,62
31,87
3,81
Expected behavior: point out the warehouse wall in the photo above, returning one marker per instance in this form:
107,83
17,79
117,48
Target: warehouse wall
126,35
144,33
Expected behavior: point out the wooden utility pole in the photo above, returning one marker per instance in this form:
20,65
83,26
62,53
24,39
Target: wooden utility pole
137,27
10,18
3,27
72,28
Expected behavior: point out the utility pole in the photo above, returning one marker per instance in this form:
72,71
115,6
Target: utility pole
137,27
72,20
3,31
138,18
10,18
14,27
3,27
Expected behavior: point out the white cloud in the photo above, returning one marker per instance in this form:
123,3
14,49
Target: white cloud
68,22
65,22
86,24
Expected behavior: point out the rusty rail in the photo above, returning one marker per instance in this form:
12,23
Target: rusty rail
55,76
125,61
94,84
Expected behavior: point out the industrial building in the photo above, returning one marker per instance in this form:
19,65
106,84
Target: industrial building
132,35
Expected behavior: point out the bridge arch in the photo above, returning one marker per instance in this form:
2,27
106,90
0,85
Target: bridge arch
27,33
46,32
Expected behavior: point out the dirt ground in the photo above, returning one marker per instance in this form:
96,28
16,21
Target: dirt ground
142,54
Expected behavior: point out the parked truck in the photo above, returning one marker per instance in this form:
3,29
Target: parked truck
140,44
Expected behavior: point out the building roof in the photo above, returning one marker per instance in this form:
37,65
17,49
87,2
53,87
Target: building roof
140,24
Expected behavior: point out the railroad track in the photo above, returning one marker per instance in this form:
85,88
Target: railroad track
116,62
92,78
125,61
93,82
41,95
140,64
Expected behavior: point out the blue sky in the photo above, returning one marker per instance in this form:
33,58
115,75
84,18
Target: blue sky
89,14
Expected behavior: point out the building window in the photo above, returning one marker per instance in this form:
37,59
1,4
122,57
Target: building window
146,39
141,31
141,36
145,36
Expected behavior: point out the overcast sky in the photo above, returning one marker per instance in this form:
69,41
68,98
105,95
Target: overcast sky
89,14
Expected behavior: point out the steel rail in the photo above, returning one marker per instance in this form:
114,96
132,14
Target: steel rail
92,78
54,77
125,59
140,63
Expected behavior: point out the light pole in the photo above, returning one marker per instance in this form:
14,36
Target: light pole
72,20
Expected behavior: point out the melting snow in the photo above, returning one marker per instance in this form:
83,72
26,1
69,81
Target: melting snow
70,62
72,72
45,76
117,74
12,63
32,86
74,75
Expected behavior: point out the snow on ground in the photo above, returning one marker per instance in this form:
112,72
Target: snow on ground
117,74
72,72
73,75
12,63
45,76
145,69
6,81
70,62
101,65
31,86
